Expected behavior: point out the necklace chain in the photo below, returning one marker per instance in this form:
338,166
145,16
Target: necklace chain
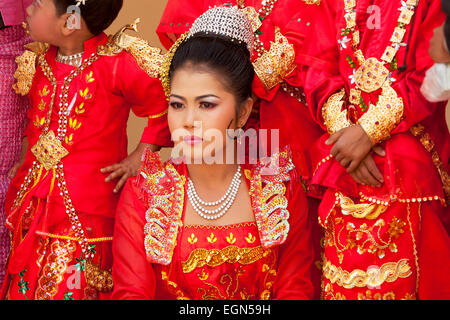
225,201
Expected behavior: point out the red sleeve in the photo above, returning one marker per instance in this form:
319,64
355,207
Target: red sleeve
133,275
178,17
416,107
146,97
296,256
318,59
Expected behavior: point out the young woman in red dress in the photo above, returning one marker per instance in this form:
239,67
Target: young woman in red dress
173,238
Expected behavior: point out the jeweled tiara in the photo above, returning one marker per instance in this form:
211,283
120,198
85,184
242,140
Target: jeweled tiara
226,21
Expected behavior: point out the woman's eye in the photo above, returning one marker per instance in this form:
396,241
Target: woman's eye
176,105
207,105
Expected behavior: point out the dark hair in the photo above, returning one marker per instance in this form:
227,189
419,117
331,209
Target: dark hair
98,14
230,59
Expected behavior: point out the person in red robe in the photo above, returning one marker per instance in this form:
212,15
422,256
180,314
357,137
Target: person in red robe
280,29
60,209
384,156
252,243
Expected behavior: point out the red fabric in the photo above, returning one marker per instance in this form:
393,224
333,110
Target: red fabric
278,110
101,139
105,92
136,278
321,80
408,169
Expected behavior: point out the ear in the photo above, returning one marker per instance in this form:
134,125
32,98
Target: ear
70,23
245,112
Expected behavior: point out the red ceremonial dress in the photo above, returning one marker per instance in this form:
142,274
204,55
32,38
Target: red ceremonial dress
60,210
156,256
366,66
280,28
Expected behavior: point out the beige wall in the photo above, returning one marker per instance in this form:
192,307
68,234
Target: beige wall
150,12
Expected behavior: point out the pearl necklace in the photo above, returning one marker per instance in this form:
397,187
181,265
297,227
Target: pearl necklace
72,60
225,202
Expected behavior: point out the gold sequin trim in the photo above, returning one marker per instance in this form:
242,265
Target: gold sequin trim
215,257
374,276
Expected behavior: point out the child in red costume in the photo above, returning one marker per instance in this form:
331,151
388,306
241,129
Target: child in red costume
60,209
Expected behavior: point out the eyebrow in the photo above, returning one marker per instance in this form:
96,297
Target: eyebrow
197,98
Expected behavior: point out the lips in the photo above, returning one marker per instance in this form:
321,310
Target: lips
192,140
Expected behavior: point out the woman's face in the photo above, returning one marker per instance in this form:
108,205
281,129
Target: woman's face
201,110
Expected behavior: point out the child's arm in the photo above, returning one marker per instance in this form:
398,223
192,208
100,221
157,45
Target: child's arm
13,171
144,93
128,167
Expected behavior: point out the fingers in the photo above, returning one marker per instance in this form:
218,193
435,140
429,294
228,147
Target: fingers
13,171
121,183
379,150
116,174
368,178
353,165
356,177
333,138
111,168
373,169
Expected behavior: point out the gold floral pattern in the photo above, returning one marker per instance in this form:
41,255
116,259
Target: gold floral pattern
61,253
200,257
374,276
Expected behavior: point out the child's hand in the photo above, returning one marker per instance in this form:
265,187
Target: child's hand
367,172
127,168
351,146
13,171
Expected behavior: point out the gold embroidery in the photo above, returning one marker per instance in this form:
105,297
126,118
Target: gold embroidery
98,279
173,287
90,77
212,238
371,75
380,120
74,124
424,138
215,257
363,238
49,150
250,238
231,239
192,239
213,292
147,57
26,67
159,115
61,253
361,210
163,188
277,63
333,116
316,2
374,277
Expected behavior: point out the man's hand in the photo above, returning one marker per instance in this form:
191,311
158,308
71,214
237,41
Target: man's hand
128,167
438,50
367,172
351,146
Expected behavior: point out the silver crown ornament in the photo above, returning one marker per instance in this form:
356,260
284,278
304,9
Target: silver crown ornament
225,21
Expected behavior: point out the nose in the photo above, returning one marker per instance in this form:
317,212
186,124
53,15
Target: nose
190,117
